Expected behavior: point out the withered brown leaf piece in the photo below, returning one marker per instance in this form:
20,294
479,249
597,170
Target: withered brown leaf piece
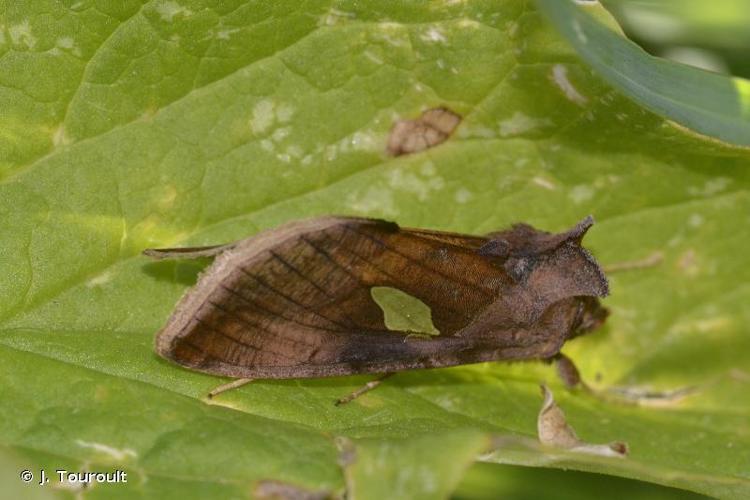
553,430
295,301
430,129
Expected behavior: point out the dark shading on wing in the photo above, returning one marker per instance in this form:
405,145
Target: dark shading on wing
295,301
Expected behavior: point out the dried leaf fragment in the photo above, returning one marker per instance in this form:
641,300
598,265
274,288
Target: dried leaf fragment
553,430
432,127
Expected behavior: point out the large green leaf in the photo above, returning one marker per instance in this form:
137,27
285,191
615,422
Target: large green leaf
710,103
175,123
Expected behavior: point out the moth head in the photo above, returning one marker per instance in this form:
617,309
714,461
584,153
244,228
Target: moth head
590,315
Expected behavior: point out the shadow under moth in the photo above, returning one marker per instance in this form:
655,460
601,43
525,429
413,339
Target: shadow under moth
296,301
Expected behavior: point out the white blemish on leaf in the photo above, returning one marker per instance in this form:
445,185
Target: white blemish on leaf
284,112
226,34
405,180
388,30
116,453
512,28
433,35
334,17
427,169
372,57
544,183
65,42
695,220
331,152
427,478
263,116
646,396
560,77
653,259
704,326
284,157
20,34
281,133
470,131
361,140
468,23
99,280
267,145
674,241
364,141
168,10
581,193
463,195
376,199
521,162
579,32
60,136
688,263
520,123
294,151
168,197
711,187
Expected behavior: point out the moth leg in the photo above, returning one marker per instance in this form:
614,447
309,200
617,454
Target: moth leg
652,260
234,384
567,371
372,384
187,252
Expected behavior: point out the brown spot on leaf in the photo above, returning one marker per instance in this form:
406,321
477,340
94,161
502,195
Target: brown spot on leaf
433,127
553,430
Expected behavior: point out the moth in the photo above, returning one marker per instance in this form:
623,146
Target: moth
296,302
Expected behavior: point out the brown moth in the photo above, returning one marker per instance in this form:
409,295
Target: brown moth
430,129
295,301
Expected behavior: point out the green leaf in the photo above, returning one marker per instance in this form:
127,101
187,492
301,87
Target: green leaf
709,103
374,468
182,123
720,24
488,481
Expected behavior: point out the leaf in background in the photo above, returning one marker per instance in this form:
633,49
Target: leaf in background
190,124
709,103
374,468
489,482
720,23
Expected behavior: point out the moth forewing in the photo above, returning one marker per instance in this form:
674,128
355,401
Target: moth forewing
295,301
